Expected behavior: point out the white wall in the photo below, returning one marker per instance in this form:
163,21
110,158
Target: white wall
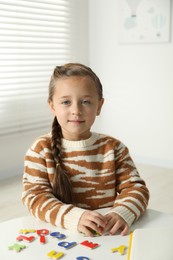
138,87
13,149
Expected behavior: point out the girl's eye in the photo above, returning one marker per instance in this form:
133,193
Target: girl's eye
86,102
66,102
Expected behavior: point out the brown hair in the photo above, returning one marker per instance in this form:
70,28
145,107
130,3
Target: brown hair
61,184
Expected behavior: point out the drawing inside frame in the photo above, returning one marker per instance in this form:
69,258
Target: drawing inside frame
144,21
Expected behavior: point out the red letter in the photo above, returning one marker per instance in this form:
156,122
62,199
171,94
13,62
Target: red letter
91,245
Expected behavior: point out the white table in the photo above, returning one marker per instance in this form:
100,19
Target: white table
9,231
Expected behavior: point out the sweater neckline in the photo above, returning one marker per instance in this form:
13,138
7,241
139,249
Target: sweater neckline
81,143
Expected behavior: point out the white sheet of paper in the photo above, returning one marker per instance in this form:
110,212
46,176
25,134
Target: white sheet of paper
152,244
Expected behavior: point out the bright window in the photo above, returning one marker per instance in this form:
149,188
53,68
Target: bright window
35,36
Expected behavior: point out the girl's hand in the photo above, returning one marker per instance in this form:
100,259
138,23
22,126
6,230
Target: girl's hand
90,222
115,223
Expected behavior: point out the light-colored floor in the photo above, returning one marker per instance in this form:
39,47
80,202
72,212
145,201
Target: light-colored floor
158,180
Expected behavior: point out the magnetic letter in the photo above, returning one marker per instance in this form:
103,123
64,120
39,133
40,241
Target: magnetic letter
119,249
28,239
41,233
58,235
54,255
67,245
91,245
16,247
25,231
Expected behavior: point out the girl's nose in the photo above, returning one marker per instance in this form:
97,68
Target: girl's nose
76,113
76,110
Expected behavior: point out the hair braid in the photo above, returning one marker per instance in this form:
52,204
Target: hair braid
61,184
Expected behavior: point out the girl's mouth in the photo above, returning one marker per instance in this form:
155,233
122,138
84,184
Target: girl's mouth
76,121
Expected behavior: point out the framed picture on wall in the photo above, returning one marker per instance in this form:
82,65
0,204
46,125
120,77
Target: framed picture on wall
144,21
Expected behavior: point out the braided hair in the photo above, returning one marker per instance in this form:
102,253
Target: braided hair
62,188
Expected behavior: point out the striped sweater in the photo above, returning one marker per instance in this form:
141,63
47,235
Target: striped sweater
102,175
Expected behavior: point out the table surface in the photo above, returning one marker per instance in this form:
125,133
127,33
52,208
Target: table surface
35,250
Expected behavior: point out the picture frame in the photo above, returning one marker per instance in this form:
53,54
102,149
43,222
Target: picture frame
144,21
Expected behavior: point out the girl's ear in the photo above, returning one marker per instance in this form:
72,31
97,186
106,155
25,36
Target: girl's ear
100,106
51,106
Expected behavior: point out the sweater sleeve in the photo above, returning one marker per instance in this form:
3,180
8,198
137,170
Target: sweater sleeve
37,193
132,194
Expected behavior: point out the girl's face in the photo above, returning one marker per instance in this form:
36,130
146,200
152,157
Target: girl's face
75,104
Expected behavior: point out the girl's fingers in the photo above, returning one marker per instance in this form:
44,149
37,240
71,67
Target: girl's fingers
125,231
91,222
90,230
86,231
115,228
95,228
119,226
98,220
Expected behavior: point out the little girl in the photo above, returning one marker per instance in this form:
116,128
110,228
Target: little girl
73,172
